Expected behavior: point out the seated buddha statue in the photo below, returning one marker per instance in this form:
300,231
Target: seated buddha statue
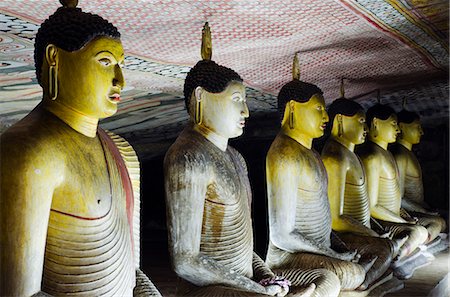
383,185
347,191
299,211
208,197
69,214
410,175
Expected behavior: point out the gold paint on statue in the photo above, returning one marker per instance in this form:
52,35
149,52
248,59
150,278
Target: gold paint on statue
383,184
410,175
347,193
67,217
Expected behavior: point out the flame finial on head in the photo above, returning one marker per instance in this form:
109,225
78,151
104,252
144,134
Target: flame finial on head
206,50
379,96
342,89
69,3
404,103
296,68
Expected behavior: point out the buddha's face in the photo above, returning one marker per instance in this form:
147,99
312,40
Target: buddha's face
387,129
354,128
310,118
90,79
411,132
224,113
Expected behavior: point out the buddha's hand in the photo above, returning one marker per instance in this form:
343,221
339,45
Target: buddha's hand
352,256
276,286
411,220
387,234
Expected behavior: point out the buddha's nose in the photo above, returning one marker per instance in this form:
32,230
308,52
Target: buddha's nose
118,79
245,113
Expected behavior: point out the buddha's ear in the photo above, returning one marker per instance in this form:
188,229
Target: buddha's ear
198,93
51,54
292,105
374,123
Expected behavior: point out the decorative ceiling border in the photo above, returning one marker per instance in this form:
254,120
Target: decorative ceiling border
407,28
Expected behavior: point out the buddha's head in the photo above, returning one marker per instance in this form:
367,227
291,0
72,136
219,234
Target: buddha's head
348,121
382,121
302,108
215,98
78,59
410,127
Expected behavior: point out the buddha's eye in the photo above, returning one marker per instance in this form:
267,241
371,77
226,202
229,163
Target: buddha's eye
319,107
105,61
238,99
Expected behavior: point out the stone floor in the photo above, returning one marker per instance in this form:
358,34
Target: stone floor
430,281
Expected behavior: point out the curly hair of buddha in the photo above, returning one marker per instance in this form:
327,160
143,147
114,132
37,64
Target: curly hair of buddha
407,117
298,91
70,29
379,111
209,75
344,107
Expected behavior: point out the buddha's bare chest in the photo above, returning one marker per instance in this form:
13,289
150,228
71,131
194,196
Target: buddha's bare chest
87,187
388,167
313,176
355,174
413,168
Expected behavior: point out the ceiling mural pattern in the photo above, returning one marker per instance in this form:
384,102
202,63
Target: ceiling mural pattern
387,45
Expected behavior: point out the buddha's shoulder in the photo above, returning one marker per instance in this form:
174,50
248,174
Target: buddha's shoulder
188,147
398,150
335,151
32,142
284,148
370,152
35,131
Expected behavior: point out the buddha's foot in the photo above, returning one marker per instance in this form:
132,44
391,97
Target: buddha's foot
437,245
392,285
406,270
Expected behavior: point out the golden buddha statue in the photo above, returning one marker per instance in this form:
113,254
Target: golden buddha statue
347,191
68,228
384,192
208,195
410,175
299,211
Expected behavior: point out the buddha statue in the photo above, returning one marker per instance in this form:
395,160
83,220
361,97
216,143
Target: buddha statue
383,185
410,175
299,211
347,191
208,196
70,201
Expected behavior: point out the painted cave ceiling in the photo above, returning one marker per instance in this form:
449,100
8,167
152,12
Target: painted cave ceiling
399,47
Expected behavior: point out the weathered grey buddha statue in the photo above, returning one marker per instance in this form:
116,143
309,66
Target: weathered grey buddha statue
299,211
383,186
347,192
410,175
208,196
69,214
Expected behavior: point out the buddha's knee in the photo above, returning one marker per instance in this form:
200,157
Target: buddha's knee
350,274
327,283
422,234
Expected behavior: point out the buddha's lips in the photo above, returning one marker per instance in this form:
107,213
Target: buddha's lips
115,98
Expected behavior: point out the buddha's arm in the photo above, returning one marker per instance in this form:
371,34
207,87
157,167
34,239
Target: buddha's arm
373,177
186,183
260,268
402,163
282,187
337,172
29,177
414,206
